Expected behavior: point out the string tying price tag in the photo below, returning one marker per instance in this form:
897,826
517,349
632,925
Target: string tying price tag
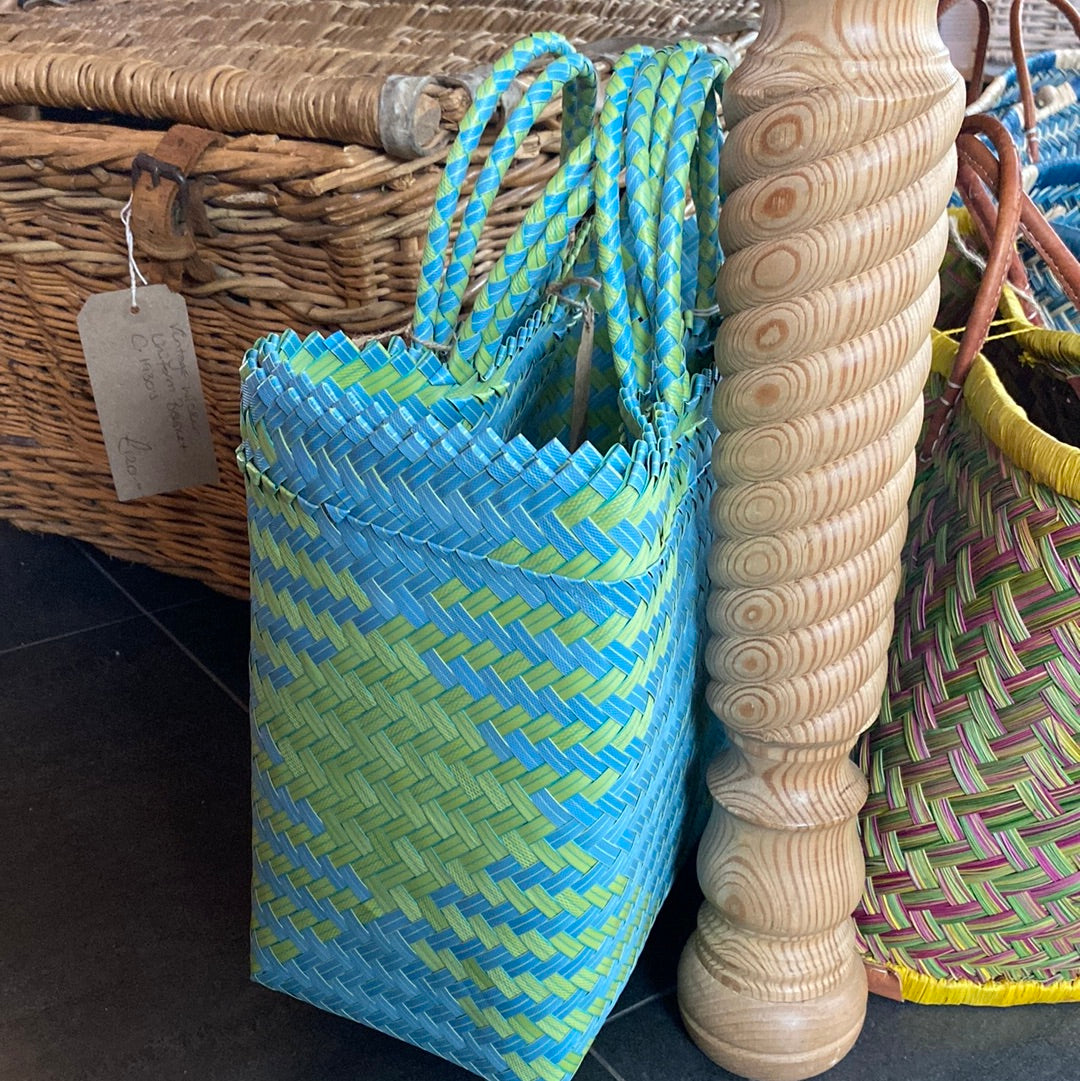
133,267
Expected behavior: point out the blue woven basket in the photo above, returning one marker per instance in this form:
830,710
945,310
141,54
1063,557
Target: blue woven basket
1055,82
476,670
1055,190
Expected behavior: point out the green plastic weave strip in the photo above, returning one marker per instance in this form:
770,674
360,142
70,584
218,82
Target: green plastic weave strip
476,670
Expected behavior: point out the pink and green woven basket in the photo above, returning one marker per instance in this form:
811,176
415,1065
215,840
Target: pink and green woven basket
972,825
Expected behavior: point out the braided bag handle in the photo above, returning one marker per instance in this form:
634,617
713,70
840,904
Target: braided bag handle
659,122
444,273
978,173
540,245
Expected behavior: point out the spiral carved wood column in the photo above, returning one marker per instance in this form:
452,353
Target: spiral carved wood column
838,167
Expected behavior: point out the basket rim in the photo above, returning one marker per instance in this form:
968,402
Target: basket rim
1002,420
926,990
391,75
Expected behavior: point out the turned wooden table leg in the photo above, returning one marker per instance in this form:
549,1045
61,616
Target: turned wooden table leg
838,169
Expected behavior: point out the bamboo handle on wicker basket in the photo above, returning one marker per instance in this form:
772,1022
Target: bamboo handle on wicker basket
399,113
839,166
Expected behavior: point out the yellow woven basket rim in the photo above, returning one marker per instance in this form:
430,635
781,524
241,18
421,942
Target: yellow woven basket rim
1048,460
933,991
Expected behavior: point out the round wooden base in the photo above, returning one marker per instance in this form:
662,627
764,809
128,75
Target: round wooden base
771,1041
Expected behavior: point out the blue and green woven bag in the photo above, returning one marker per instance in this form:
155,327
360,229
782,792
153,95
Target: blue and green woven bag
476,667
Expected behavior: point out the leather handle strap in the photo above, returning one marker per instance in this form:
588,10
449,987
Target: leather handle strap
166,202
1008,189
979,172
1023,76
1034,227
983,213
1053,251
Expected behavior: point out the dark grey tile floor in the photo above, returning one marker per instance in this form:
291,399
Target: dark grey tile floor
124,873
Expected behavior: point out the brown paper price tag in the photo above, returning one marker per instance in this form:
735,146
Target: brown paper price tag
147,391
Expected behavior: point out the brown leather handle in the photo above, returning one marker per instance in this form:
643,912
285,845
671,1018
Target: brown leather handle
979,172
1023,76
984,217
978,63
1038,232
1008,189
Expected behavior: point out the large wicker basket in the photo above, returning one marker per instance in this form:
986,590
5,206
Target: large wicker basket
316,197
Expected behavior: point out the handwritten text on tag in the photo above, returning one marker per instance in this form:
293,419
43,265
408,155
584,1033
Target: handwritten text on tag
147,391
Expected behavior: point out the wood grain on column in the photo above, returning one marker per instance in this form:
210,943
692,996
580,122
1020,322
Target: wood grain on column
838,168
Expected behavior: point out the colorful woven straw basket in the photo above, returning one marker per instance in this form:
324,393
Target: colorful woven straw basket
972,826
476,665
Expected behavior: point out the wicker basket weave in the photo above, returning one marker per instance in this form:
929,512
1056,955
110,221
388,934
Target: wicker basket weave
972,826
314,231
1044,27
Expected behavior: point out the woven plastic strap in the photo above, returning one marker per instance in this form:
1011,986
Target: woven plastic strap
666,131
667,134
502,154
655,124
442,281
515,283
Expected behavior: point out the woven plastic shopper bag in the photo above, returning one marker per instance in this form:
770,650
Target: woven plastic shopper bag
477,727
972,825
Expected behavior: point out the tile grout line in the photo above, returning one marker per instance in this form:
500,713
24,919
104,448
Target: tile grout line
92,627
637,1005
213,676
607,1065
68,634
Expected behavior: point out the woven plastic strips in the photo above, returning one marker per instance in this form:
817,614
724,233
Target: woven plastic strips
972,826
476,659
